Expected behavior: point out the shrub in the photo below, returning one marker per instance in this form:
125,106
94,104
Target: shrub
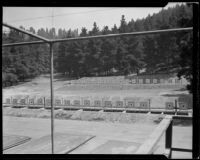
9,78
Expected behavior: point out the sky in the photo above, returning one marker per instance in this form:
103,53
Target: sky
74,17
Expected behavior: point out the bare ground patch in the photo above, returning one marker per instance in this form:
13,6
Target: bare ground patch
36,113
115,117
40,86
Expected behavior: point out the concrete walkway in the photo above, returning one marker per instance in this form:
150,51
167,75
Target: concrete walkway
122,138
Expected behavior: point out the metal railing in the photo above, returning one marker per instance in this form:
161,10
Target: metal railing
181,118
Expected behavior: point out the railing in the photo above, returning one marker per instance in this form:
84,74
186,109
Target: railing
166,126
181,118
149,145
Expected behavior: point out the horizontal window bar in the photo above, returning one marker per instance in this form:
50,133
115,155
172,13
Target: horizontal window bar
181,149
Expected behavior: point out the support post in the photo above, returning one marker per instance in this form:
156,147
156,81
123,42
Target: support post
150,105
44,103
52,98
168,138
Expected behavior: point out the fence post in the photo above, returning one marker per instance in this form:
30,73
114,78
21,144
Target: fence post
175,106
168,138
11,102
150,105
44,102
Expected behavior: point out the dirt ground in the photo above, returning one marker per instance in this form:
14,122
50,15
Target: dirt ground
35,122
116,117
99,116
40,86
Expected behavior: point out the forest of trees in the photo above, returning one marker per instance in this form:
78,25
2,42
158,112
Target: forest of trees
120,56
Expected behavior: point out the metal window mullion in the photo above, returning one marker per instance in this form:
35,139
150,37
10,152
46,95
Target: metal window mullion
26,32
95,37
52,97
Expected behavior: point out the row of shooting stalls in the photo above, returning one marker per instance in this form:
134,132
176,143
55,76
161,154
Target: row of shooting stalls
97,101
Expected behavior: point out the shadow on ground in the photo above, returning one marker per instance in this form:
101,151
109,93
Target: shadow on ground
176,122
181,89
177,95
186,98
179,122
60,77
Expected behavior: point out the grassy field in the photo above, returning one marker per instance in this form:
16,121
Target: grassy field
40,86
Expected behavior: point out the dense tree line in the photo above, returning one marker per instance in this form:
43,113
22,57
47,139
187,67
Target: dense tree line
122,55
